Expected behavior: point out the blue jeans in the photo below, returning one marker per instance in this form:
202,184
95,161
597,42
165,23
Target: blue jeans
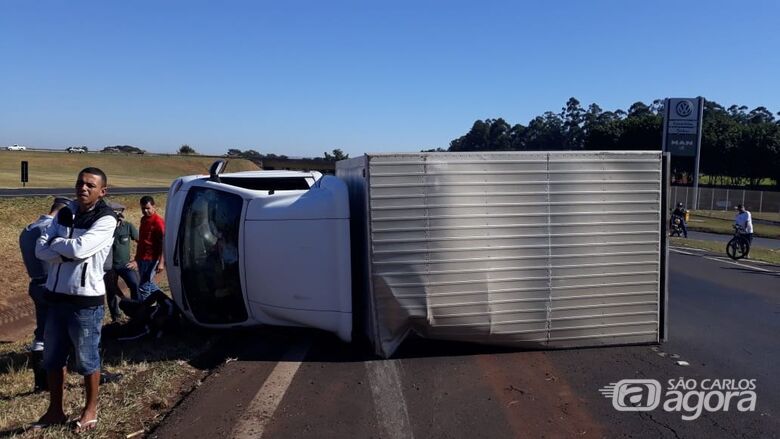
111,279
36,291
71,326
146,274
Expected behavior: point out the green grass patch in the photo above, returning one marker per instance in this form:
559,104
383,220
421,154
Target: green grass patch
756,253
713,224
730,214
58,169
713,179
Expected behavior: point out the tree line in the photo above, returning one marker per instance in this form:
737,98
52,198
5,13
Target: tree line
739,146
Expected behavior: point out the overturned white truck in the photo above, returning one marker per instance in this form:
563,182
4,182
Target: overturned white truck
539,250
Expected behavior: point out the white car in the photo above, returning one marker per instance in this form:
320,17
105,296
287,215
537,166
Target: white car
17,148
78,149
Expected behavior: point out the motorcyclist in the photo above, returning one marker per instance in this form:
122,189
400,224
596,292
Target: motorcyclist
680,212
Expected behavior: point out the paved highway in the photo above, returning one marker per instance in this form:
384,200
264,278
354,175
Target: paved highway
724,320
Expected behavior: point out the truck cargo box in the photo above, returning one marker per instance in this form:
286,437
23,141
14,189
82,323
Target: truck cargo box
535,250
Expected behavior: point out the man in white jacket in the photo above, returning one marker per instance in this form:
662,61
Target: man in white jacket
76,245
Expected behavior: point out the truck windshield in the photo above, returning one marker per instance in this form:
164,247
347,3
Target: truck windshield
208,251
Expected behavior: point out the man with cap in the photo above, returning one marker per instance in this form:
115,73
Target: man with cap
745,220
117,264
37,270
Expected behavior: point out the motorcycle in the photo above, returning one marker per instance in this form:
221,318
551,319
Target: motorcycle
676,225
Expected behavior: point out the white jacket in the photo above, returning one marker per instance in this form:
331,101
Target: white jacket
76,254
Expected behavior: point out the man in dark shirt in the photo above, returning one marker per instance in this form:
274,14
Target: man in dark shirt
120,256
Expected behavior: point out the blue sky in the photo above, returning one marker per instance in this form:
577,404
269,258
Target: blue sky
303,77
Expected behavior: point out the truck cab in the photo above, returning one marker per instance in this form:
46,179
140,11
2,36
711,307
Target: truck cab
292,226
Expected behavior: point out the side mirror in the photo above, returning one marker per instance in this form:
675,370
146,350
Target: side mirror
215,169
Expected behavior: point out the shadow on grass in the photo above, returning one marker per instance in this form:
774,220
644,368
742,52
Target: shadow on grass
11,362
186,342
13,432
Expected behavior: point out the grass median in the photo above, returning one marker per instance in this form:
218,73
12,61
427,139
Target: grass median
724,225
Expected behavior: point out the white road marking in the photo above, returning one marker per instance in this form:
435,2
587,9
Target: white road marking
674,249
739,265
267,399
727,261
391,413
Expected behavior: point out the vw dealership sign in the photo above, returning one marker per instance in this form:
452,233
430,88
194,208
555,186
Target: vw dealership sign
682,133
682,126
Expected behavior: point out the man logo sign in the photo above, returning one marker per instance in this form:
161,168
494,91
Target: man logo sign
634,395
684,108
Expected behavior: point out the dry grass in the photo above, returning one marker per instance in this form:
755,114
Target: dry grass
55,169
17,212
156,374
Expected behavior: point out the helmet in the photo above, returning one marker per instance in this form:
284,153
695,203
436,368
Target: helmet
679,204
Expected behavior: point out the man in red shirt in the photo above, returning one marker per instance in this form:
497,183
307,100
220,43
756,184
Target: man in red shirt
149,258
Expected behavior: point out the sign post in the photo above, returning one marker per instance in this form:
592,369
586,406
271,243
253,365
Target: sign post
682,133
25,175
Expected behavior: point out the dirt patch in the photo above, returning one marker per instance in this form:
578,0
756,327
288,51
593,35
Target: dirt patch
537,399
17,319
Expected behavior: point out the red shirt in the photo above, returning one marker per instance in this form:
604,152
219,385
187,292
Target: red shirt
150,238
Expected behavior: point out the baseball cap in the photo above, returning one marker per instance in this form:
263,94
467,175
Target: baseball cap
116,207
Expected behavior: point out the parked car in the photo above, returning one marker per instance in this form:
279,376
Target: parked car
78,149
17,148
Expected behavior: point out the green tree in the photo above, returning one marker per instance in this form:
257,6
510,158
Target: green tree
186,150
545,133
573,116
336,155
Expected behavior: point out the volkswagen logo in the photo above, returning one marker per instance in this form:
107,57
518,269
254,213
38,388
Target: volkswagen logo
684,108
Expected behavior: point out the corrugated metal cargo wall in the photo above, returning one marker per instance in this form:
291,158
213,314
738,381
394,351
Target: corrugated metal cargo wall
530,249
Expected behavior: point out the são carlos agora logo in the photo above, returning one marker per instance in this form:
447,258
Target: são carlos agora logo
684,108
689,397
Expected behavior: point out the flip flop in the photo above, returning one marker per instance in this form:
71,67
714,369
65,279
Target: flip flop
39,424
87,426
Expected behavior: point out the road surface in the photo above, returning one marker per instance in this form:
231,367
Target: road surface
282,383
